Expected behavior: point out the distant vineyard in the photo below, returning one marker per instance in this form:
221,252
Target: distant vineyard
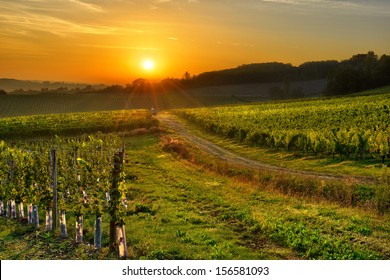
347,127
75,123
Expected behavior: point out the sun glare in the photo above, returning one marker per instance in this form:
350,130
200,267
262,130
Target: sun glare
148,65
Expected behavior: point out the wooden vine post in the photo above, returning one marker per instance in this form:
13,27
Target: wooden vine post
2,186
53,168
79,215
9,202
117,228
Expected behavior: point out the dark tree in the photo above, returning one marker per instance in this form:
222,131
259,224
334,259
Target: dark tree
360,72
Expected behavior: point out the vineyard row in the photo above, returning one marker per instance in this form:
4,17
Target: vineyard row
83,176
349,127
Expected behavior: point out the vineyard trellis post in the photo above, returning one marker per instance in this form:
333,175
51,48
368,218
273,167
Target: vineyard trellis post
116,226
54,185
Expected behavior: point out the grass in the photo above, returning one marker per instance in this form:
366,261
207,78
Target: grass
179,209
380,90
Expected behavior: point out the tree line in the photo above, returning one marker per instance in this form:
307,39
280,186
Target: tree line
360,72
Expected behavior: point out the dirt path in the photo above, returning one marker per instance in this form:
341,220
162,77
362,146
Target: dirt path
172,122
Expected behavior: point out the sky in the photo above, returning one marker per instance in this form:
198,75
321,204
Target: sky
108,41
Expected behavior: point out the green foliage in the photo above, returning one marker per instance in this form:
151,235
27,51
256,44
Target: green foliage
84,174
349,127
313,244
362,71
74,123
170,254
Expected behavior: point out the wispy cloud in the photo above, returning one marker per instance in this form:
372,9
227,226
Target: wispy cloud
88,6
282,1
120,47
376,7
181,1
57,26
48,16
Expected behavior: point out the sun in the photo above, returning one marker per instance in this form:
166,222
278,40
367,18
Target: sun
148,65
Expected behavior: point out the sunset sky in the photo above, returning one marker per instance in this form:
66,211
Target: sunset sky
117,41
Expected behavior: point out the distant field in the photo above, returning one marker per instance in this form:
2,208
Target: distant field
22,105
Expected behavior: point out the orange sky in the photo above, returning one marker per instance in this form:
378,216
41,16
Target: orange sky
106,41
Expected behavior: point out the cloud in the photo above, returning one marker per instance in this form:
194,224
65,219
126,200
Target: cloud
120,47
357,7
50,16
188,1
88,6
282,1
50,24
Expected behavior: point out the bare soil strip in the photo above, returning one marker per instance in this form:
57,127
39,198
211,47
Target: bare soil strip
174,124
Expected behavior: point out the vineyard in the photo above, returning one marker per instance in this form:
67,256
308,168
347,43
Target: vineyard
173,206
74,123
79,176
352,127
42,172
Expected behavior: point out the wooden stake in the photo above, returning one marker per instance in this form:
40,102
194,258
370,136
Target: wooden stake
53,166
115,201
1,208
121,238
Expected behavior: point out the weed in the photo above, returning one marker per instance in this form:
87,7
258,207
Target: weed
312,244
171,254
221,252
383,198
141,208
